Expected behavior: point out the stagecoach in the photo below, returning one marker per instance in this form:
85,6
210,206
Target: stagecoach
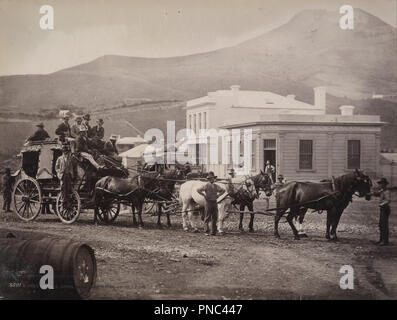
37,186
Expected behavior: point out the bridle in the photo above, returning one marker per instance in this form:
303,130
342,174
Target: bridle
352,190
263,185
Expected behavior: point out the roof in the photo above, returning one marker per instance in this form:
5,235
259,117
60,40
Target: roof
136,152
252,99
37,146
130,140
321,119
389,157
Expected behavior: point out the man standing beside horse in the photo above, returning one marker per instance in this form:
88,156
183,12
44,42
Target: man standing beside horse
384,207
211,192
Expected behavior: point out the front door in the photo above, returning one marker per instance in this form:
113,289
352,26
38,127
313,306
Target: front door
269,154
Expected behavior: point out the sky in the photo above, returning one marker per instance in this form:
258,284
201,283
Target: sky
87,29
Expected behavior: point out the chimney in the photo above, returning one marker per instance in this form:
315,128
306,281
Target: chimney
346,110
291,97
319,97
235,90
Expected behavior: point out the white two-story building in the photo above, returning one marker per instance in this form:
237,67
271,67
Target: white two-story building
299,139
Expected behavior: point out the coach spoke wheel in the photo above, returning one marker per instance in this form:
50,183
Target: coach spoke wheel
149,208
108,212
68,211
27,199
171,207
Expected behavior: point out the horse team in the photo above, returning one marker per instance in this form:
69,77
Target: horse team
293,199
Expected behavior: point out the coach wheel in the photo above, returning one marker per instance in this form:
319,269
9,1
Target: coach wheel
68,211
27,199
171,207
108,212
149,208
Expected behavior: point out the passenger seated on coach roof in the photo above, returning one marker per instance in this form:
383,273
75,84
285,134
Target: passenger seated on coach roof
86,123
83,147
40,134
75,130
97,134
110,146
63,130
98,131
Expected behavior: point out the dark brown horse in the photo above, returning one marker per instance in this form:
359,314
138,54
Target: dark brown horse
168,178
330,195
262,182
135,190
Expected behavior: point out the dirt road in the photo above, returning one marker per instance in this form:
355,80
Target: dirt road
170,264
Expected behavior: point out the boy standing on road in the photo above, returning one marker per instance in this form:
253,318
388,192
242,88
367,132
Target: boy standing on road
384,206
211,191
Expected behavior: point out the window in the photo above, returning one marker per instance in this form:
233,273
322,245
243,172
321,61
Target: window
269,144
199,122
205,120
253,154
353,154
305,154
190,121
230,152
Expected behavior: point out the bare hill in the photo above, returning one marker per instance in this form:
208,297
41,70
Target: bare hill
308,51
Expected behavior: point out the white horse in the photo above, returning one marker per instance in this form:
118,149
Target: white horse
193,201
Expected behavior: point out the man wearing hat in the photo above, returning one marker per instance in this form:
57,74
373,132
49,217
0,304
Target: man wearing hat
97,134
83,147
86,122
110,146
98,131
270,170
75,130
6,185
211,191
64,170
279,183
40,134
232,173
63,130
62,161
384,206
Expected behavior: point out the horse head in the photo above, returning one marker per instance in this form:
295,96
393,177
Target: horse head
180,173
362,184
250,188
167,181
263,182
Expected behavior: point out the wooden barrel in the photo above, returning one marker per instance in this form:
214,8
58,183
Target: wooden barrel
27,268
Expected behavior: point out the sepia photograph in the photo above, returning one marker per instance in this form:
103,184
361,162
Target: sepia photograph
210,152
